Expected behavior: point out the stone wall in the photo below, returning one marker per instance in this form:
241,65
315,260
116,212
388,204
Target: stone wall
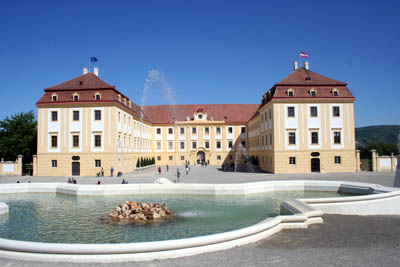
11,168
383,163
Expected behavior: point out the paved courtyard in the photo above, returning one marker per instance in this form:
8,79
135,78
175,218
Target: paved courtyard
211,175
340,241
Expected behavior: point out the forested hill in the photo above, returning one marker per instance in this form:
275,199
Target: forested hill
377,134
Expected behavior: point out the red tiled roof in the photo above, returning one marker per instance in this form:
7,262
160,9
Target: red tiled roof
302,76
231,113
86,81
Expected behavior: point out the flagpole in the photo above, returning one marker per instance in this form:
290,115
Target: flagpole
300,58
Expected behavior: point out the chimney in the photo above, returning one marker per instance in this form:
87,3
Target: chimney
85,70
295,65
306,65
96,71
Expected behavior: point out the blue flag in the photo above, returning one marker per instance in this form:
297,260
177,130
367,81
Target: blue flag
93,59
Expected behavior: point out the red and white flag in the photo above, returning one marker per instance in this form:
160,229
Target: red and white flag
304,54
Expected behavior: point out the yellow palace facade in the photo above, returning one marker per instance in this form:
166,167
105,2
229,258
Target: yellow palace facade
305,123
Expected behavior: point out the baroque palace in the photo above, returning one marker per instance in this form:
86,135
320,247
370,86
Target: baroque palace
304,123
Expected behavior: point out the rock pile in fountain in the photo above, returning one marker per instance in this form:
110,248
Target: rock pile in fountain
140,211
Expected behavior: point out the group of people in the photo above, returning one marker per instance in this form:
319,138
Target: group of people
71,180
123,182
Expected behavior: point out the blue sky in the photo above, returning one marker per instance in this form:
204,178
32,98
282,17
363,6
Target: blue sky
209,51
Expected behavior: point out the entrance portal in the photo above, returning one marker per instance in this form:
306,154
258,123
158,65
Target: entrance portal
76,168
201,157
315,165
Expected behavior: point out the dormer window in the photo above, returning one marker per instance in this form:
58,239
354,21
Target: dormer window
54,97
97,96
119,97
75,96
200,116
335,92
313,92
290,92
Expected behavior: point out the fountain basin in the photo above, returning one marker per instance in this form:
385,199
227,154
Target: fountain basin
297,214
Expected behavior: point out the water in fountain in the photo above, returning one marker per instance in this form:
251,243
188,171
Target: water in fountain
397,176
155,77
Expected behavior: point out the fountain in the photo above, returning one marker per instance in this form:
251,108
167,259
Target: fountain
397,176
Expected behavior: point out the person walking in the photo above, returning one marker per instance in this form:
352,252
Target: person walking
187,170
167,167
112,171
178,174
159,170
102,171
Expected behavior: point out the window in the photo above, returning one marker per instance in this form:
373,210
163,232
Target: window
338,160
182,157
313,111
194,145
200,116
170,131
218,144
270,114
230,157
218,157
158,145
243,143
97,96
97,163
218,130
182,145
290,111
270,139
97,115
292,160
54,116
170,158
230,144
243,129
314,138
335,92
75,97
194,130
54,98
290,93
170,145
313,93
75,140
207,131
158,130
54,163
230,130
97,140
158,158
292,138
207,144
53,141
336,137
75,115
336,111
182,130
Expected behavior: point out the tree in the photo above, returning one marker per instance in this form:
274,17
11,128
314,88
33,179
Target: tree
18,136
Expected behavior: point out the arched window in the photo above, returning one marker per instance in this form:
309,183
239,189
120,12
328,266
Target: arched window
290,92
313,92
75,96
54,97
335,92
97,96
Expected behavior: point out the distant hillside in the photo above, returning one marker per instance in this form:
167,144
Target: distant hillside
377,134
